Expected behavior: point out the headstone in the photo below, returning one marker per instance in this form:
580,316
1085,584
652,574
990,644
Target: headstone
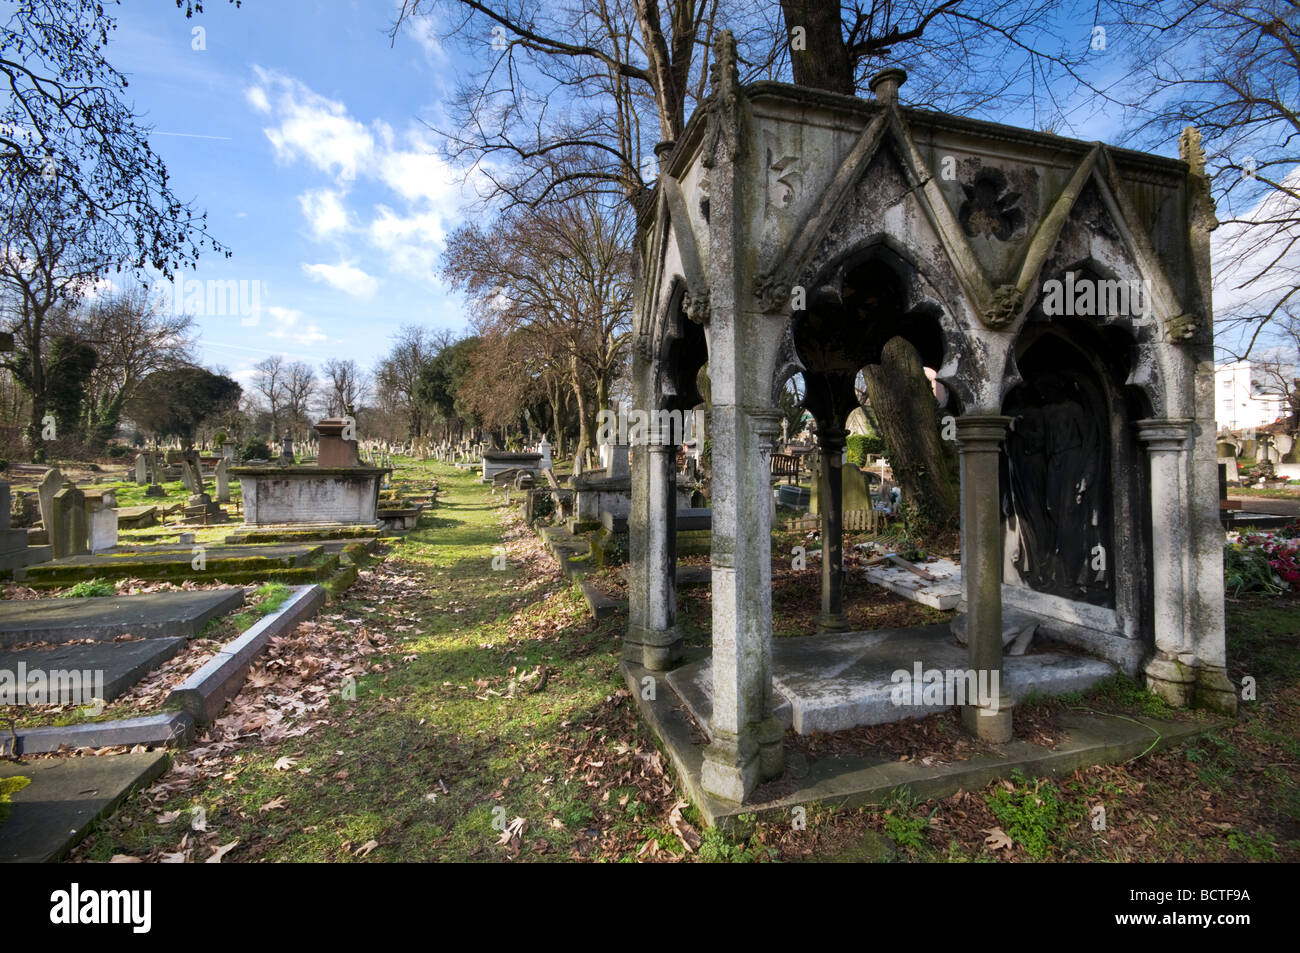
228,451
68,534
154,489
286,450
223,480
101,521
334,450
188,479
141,470
13,542
616,461
49,485
544,448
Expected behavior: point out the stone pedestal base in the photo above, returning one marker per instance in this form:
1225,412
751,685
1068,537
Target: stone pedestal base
988,724
832,622
1171,678
1214,691
656,649
731,767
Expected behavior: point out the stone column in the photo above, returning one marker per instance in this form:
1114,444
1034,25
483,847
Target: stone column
1170,672
654,639
979,437
831,442
745,736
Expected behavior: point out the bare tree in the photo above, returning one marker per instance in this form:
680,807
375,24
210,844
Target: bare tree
561,276
133,337
299,392
345,388
1232,70
270,380
397,378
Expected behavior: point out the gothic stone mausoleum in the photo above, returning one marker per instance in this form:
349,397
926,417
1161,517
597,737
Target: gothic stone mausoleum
796,231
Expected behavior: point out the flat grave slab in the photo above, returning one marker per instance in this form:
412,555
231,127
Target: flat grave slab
844,680
113,666
944,592
148,615
66,796
228,563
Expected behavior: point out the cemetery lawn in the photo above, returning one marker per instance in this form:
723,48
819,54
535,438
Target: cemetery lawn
489,699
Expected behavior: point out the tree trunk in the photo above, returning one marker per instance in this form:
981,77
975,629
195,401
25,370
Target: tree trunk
823,62
924,464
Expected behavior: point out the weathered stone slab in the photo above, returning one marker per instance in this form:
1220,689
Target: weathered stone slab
173,727
840,681
137,517
170,561
275,495
148,615
944,592
206,692
112,667
66,796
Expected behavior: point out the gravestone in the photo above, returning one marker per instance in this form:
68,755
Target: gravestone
101,520
223,480
154,489
68,534
49,485
141,470
286,450
188,479
13,542
544,448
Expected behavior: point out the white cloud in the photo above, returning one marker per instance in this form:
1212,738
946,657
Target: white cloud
324,211
289,325
345,277
314,128
256,97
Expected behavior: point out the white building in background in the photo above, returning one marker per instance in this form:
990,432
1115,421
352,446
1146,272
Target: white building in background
1246,395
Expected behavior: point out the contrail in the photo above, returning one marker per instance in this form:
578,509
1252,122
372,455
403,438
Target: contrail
190,135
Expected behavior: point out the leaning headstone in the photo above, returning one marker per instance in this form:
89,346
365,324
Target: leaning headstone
188,479
223,480
101,521
68,534
141,470
49,485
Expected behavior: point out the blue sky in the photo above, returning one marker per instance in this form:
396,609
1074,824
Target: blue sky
299,133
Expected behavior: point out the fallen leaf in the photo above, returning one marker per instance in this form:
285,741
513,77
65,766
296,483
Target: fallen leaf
125,859
220,852
997,839
167,817
272,805
285,763
366,848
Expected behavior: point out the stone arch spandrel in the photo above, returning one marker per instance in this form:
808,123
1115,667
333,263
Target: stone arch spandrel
1091,248
973,356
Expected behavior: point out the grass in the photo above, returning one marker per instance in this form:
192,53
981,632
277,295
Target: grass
92,588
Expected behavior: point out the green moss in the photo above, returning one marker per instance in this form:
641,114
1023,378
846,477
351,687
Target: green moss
96,588
8,788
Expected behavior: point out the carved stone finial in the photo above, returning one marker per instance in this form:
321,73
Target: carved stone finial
1191,151
724,99
1004,308
885,85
